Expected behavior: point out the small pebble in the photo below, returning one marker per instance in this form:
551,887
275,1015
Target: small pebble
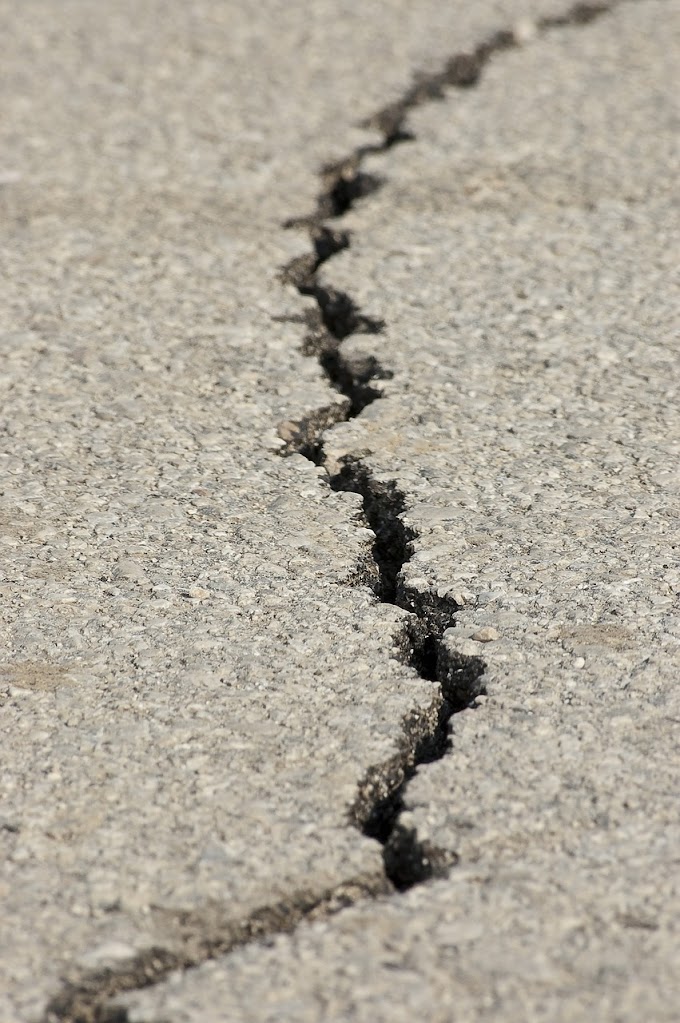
486,635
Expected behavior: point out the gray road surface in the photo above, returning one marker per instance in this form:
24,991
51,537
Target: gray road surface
202,695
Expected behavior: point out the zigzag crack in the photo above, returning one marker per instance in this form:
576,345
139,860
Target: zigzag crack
458,680
379,805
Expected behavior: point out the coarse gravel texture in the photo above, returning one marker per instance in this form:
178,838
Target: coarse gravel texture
523,255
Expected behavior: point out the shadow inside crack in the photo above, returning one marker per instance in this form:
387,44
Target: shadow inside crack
379,807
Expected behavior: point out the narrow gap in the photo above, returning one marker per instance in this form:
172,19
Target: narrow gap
334,318
344,181
380,804
457,680
88,998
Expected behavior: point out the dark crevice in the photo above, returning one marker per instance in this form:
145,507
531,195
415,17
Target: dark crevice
383,508
198,938
579,14
457,680
334,318
345,183
380,802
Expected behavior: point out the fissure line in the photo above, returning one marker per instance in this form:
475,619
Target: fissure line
335,318
457,680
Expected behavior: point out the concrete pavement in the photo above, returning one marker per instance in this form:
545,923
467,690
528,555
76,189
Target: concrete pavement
205,702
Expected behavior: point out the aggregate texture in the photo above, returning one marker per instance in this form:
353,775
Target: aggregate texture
202,694
194,685
522,257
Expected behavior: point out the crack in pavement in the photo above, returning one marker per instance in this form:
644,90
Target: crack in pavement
88,999
379,803
457,679
407,859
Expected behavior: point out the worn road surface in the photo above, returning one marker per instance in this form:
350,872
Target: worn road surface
339,512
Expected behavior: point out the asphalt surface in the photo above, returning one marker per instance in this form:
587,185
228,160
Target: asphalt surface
215,688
